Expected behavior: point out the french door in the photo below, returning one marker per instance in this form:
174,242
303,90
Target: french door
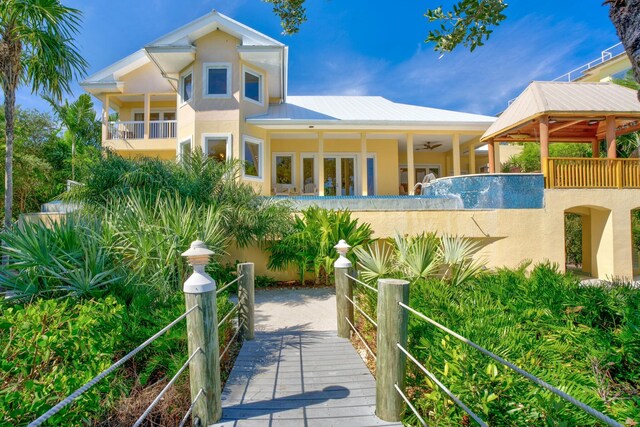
341,178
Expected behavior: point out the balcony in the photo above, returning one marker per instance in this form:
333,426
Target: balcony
158,129
567,172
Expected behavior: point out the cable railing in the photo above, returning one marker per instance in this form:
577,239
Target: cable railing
201,301
392,312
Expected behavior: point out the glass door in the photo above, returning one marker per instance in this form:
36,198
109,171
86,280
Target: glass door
347,176
340,176
330,176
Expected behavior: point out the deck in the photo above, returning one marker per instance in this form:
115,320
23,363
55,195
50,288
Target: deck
296,374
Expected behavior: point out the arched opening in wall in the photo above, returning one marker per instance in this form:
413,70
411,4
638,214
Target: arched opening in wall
635,242
589,241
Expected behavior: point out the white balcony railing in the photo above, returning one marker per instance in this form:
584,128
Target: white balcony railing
161,129
158,129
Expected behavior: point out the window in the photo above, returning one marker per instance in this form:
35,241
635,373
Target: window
252,156
309,185
217,147
186,87
283,169
253,86
371,176
217,80
185,149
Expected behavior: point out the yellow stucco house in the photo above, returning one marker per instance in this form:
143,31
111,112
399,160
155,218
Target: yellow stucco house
217,85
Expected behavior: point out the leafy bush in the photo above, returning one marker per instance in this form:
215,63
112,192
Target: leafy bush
51,348
583,340
309,247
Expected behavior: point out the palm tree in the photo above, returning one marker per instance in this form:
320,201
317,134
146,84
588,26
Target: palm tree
36,48
79,120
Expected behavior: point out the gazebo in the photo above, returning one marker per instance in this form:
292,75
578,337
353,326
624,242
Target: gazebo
548,112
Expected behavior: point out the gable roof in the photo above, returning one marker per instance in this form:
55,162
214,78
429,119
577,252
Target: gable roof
340,111
182,37
577,98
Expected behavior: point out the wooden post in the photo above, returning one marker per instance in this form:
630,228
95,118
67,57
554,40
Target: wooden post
595,149
492,157
544,148
246,299
391,362
472,158
496,160
611,137
344,289
202,333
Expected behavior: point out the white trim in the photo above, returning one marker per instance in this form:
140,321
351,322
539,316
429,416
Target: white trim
161,110
260,143
182,142
205,79
274,167
183,76
227,136
260,77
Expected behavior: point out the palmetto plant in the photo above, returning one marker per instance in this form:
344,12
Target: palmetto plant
36,48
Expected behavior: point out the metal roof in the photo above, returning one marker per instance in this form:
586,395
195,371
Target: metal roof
362,110
564,98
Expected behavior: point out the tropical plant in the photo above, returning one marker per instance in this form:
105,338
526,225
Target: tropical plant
309,247
79,120
36,47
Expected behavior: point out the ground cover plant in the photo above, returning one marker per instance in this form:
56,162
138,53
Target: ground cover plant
582,339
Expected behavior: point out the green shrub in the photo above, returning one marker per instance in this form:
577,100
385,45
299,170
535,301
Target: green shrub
309,247
52,347
583,340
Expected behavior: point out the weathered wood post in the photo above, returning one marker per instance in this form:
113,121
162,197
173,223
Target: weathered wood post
391,362
246,295
202,332
344,289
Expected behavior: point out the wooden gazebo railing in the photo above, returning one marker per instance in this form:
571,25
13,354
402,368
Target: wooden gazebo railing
566,172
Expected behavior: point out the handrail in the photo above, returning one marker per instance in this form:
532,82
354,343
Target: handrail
229,314
238,329
605,55
597,414
410,405
164,390
186,416
584,172
67,400
360,282
224,288
371,352
357,307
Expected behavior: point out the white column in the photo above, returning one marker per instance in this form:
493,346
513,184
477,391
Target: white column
364,183
496,152
320,164
105,118
411,168
456,155
472,158
147,114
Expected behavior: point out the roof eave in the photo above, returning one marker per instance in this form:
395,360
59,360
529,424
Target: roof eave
337,124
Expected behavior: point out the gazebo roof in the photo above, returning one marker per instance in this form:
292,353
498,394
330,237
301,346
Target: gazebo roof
575,109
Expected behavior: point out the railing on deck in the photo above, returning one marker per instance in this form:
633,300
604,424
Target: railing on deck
393,349
202,332
566,172
158,129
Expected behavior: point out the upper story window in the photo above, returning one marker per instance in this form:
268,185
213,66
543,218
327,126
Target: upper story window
253,86
186,87
217,80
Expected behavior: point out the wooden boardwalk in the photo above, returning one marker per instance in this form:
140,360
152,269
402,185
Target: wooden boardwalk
294,377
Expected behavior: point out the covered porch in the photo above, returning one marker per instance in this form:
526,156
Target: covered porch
582,113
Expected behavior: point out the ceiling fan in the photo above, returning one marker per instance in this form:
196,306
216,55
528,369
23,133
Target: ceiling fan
429,145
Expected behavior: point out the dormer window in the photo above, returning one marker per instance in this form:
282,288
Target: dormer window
252,86
217,80
186,87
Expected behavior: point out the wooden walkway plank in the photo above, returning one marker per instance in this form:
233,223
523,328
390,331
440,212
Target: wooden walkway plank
299,378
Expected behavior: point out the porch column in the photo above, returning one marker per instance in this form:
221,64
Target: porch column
320,164
364,183
595,148
492,157
105,118
611,137
411,167
472,158
496,155
544,145
268,165
147,114
456,155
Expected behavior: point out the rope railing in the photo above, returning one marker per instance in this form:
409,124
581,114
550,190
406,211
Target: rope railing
231,341
67,400
355,330
360,282
225,287
586,408
442,386
231,312
165,389
186,416
410,405
361,311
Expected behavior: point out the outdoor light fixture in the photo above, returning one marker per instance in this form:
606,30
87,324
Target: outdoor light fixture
342,248
519,135
592,122
552,121
198,256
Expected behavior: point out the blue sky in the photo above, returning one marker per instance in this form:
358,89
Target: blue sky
371,47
